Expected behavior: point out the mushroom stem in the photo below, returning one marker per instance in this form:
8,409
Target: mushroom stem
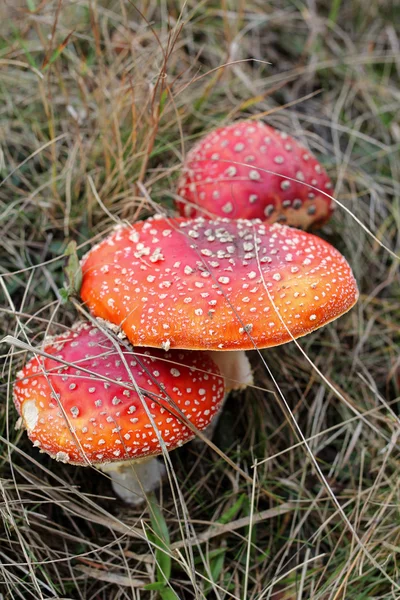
235,368
132,479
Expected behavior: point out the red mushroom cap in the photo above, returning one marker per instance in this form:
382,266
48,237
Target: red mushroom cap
201,284
84,418
215,184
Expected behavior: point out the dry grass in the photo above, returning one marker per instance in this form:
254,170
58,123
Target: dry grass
98,96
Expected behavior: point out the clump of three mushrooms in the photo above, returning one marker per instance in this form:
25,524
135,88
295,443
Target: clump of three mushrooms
219,286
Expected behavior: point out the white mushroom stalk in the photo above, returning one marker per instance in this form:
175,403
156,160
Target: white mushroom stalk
132,480
237,373
234,367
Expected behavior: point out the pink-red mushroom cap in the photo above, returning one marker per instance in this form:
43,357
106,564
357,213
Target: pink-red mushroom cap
215,285
250,170
89,411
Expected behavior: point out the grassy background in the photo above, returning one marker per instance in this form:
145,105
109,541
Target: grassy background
98,96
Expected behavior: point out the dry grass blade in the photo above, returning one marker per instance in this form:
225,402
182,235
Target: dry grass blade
116,578
218,529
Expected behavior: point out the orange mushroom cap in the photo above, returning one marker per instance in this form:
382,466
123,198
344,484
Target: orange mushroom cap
98,417
216,285
223,176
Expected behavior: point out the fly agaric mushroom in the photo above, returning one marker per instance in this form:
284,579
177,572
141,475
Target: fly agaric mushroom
223,177
216,285
81,404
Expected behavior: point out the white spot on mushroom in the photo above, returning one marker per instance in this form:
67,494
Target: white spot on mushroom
30,414
166,345
268,210
254,175
227,208
231,171
62,457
